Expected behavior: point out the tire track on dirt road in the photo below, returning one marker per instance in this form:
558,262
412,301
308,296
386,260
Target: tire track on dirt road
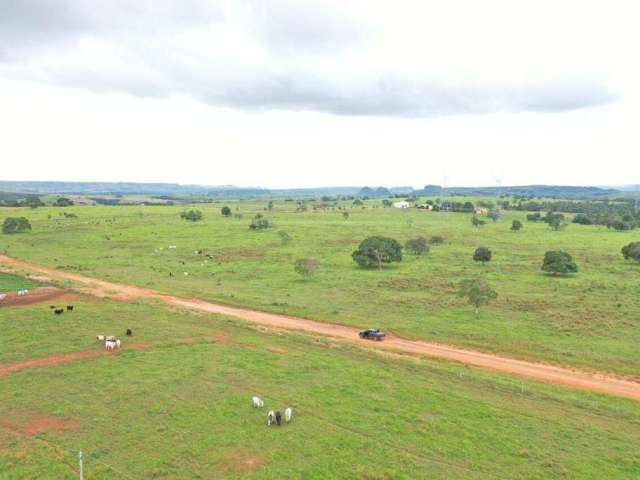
596,382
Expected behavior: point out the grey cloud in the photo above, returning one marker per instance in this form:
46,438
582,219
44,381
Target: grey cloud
153,65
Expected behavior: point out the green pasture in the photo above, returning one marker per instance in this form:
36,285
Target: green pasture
181,407
11,283
591,319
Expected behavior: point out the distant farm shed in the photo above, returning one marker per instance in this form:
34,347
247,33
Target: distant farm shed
401,205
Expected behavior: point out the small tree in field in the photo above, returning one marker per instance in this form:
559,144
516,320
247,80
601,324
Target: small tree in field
226,211
375,251
482,254
558,263
15,225
417,246
345,215
285,238
477,292
476,222
516,225
436,240
631,251
306,266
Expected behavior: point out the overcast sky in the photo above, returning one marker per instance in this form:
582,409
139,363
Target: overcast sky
288,93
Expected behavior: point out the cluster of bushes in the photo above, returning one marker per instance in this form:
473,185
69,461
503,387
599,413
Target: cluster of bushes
191,215
259,222
555,220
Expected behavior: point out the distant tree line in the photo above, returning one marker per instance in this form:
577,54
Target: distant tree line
621,214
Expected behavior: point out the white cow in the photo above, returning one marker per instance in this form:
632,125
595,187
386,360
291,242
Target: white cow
271,417
100,338
288,414
257,402
110,345
172,247
22,292
3,296
110,338
118,343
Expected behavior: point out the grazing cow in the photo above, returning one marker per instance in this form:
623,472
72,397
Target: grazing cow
3,296
69,308
22,292
118,343
58,311
278,417
110,338
172,247
129,332
288,414
271,418
52,307
257,402
186,274
110,345
100,338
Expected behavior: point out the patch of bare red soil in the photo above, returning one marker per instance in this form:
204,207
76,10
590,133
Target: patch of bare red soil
36,424
38,295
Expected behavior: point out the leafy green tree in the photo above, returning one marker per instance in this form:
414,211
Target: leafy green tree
482,254
63,202
15,225
557,224
226,211
632,251
191,215
477,292
357,201
345,215
534,217
417,246
386,202
306,266
558,262
476,222
377,250
582,219
516,225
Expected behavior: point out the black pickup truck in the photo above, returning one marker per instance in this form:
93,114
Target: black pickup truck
372,334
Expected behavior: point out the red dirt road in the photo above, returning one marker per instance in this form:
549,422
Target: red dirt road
595,382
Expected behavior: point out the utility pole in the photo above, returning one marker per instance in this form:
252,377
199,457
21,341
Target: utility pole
81,469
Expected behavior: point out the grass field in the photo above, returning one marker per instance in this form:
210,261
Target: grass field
9,283
179,407
587,320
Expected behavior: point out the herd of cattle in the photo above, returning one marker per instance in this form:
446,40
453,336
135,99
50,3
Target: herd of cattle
274,417
111,342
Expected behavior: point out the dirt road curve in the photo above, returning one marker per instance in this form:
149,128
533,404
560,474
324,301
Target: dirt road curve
600,382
